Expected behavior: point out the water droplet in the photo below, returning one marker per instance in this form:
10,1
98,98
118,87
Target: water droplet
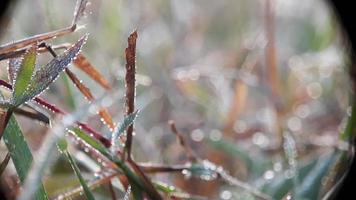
215,135
260,139
302,111
294,123
240,126
314,90
277,166
187,174
225,194
197,135
268,175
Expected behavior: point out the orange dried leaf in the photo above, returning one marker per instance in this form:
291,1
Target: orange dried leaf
82,88
106,117
82,63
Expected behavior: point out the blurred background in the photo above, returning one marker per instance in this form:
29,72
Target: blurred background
258,87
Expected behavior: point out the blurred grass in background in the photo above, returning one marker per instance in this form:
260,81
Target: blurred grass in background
203,64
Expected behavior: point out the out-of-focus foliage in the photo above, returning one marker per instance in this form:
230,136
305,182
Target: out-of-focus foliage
205,65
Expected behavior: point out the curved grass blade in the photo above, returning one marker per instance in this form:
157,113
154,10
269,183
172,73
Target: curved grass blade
20,154
23,73
44,76
62,145
138,185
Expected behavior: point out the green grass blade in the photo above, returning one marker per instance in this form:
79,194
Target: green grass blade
311,185
24,73
20,154
349,133
47,74
135,182
128,120
62,145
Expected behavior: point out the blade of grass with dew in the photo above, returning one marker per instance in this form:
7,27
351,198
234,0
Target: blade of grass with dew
128,120
14,64
349,133
135,182
62,145
82,63
99,147
291,154
341,166
256,166
278,187
45,75
20,154
24,73
311,185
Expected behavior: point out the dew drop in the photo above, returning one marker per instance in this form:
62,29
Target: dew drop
268,175
197,135
225,194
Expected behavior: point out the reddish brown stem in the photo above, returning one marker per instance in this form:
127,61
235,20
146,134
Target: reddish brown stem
130,53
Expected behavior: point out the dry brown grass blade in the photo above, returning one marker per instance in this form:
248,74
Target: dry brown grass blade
271,52
82,63
272,70
104,114
130,53
13,46
82,88
41,49
106,117
238,103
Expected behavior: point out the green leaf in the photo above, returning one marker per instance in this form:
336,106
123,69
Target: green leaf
24,73
128,120
281,185
255,165
62,145
311,185
134,180
349,134
44,76
89,195
20,154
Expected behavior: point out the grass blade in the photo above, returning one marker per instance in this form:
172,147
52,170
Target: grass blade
128,120
311,185
24,73
62,144
82,63
20,154
136,182
104,114
44,76
14,64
